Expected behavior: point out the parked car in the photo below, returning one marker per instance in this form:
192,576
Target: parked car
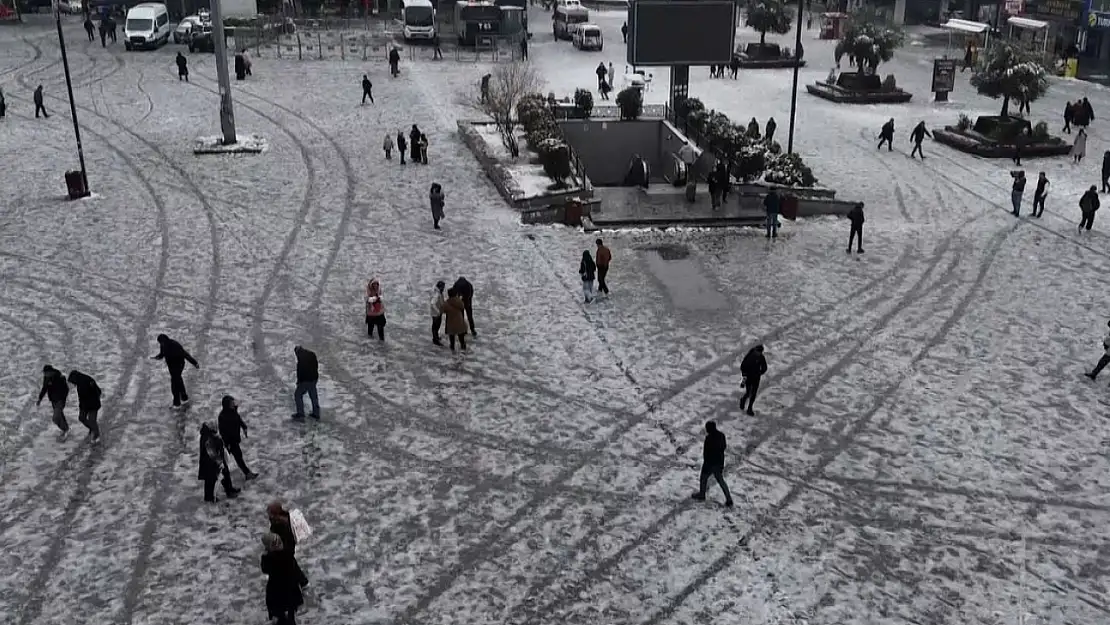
201,40
184,29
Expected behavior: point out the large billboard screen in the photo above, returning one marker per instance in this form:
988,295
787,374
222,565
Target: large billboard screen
681,32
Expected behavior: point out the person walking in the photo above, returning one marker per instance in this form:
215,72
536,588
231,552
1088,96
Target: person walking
112,29
422,148
367,89
240,67
604,89
1088,205
284,581
175,356
414,144
103,33
1106,171
483,88
524,47
466,291
772,203
436,198
38,103
454,309
213,464
282,525
1039,195
1017,190
88,401
624,32
602,257
886,135
231,427
611,74
855,216
402,145
394,62
587,269
436,309
308,374
713,463
55,389
1079,148
917,135
1088,111
752,368
182,67
1104,359
1069,116
769,130
3,105
375,309
969,56
89,28
437,52
387,146
601,72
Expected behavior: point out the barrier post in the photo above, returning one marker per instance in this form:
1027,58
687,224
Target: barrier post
320,46
300,48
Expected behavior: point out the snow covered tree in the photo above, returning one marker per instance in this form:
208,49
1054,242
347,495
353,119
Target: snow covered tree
1009,73
508,84
768,16
869,40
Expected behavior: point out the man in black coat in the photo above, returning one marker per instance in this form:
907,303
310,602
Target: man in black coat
39,103
414,144
402,145
54,388
367,89
886,135
103,33
713,463
111,28
917,135
308,373
230,425
466,290
89,28
213,464
88,401
752,368
240,67
394,62
1088,205
856,217
175,356
182,67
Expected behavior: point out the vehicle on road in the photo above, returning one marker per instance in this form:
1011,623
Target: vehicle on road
475,19
587,37
201,39
418,19
567,16
147,26
184,30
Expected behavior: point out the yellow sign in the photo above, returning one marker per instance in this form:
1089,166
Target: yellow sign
1072,68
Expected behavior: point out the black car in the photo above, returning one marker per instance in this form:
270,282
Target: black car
200,40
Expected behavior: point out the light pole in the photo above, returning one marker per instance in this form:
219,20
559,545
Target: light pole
794,89
219,45
72,105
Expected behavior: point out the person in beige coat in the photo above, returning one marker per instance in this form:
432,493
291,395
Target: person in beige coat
455,310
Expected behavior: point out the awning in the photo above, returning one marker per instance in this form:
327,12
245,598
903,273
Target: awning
966,26
1025,22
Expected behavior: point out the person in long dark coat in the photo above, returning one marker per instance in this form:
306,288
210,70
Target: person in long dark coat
1088,206
232,429
88,401
414,144
89,28
182,67
213,464
240,67
752,368
284,581
713,463
39,106
367,89
54,388
1069,116
855,216
466,291
281,525
175,356
394,62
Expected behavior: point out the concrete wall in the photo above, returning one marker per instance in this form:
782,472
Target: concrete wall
606,147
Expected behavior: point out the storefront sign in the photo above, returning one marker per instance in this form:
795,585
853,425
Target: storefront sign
1013,7
1064,10
1098,19
944,75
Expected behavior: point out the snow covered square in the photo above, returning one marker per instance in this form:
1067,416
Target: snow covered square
924,449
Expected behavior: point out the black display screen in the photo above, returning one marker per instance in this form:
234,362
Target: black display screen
681,32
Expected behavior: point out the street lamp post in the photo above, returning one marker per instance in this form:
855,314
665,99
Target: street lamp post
219,45
72,105
794,89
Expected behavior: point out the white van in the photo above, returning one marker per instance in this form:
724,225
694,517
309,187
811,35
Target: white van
418,19
587,37
147,26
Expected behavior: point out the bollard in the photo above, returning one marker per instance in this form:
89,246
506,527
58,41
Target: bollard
342,48
300,48
319,47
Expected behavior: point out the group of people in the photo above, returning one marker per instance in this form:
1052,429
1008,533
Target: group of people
1079,113
606,77
107,29
733,67
37,97
917,137
1088,203
590,267
416,146
456,306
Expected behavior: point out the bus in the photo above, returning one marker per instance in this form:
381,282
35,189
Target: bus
523,4
418,19
475,18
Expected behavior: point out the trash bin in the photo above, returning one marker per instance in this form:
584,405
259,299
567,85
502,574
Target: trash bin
75,185
572,213
789,208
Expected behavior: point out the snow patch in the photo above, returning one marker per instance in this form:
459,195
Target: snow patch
247,144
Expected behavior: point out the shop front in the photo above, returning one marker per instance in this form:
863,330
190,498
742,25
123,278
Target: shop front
1064,18
1094,45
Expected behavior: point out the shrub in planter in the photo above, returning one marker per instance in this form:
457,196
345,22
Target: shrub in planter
788,169
750,162
889,83
631,103
584,102
963,123
688,106
555,158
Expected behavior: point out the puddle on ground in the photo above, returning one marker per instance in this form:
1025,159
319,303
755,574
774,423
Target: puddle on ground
683,278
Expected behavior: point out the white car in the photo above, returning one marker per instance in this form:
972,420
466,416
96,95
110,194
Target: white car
185,28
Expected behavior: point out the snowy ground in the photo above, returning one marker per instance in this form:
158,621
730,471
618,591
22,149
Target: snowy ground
925,449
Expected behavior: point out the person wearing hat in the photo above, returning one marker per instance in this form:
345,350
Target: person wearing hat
54,388
436,309
284,580
232,428
213,464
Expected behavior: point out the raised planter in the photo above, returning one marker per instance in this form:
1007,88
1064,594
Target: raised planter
972,142
760,189
835,93
749,62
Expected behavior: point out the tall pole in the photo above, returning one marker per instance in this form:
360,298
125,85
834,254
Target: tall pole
72,104
219,45
794,89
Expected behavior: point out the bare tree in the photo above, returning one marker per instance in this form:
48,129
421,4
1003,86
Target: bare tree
497,95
